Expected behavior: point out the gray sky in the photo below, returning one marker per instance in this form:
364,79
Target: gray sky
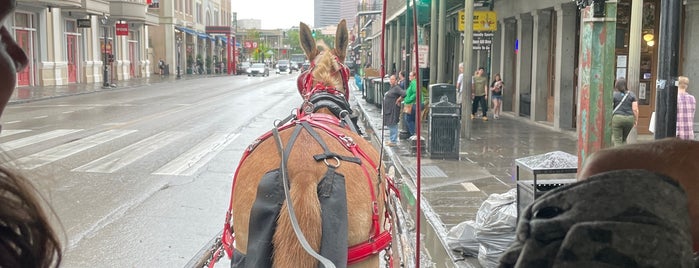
275,14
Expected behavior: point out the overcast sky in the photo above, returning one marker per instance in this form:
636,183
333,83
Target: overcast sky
275,14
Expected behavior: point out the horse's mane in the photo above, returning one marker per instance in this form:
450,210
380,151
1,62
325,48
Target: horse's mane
327,69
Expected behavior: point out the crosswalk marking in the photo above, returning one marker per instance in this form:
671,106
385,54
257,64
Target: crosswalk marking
11,145
470,187
44,157
190,161
116,160
10,132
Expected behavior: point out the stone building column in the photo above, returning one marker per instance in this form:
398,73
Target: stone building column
523,72
508,64
541,49
690,49
496,52
565,84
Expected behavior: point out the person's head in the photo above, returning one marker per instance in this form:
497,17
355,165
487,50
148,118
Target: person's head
683,82
620,85
461,67
481,71
393,80
412,76
497,77
401,75
26,237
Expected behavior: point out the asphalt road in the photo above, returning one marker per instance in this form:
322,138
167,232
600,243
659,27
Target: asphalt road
140,177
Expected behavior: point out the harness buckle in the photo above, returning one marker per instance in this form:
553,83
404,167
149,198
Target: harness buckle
337,164
348,140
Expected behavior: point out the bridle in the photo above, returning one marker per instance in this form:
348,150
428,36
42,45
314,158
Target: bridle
307,86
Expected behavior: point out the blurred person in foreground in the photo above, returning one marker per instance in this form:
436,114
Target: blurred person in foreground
635,205
26,237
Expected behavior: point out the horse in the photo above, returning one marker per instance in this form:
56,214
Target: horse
331,174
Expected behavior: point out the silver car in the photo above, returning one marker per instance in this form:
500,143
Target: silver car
258,69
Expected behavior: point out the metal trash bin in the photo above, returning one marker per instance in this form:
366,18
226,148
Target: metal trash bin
445,128
439,90
380,90
552,164
370,94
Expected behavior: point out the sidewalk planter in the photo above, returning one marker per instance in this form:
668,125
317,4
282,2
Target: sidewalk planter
561,166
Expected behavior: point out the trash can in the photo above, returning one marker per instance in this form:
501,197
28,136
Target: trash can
445,127
380,90
370,94
559,168
439,90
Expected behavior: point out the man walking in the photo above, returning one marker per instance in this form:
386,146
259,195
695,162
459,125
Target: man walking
479,88
391,110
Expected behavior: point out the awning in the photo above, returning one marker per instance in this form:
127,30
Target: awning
203,35
222,38
186,30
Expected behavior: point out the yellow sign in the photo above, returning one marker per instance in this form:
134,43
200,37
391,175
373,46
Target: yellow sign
483,21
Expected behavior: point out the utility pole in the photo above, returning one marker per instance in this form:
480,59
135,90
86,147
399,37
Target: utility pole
466,84
668,54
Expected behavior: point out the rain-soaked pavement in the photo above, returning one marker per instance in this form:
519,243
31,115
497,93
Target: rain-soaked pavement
453,190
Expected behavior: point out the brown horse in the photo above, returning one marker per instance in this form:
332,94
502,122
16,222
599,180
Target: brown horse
364,189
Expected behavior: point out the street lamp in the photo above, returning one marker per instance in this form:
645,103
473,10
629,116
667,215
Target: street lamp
179,47
105,82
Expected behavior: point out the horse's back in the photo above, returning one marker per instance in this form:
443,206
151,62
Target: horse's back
304,175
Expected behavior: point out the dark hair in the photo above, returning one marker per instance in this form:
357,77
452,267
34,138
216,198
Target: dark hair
620,85
26,237
402,73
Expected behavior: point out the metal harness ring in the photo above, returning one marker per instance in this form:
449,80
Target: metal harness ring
337,165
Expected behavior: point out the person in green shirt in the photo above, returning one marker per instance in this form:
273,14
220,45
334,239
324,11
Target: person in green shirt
409,99
479,87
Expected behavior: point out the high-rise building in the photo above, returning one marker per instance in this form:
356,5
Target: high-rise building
330,12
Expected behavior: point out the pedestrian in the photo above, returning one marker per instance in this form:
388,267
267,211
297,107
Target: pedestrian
479,94
686,106
496,88
391,110
401,81
409,104
26,237
625,113
161,66
459,82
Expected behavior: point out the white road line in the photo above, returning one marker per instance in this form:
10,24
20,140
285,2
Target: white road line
190,161
121,158
470,187
42,158
12,122
41,117
10,132
11,145
68,112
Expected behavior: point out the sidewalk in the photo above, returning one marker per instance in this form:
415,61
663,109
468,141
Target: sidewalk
33,93
455,189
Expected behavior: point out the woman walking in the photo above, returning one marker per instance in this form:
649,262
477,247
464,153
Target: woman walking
496,88
625,113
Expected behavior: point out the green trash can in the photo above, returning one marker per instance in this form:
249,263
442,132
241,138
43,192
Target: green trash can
370,93
380,90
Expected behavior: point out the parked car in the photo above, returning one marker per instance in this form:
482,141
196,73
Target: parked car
258,69
283,67
294,65
242,67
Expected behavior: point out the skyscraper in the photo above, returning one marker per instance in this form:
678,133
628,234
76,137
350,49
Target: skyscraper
330,12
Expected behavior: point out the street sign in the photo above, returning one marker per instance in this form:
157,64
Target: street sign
84,23
482,40
423,55
482,21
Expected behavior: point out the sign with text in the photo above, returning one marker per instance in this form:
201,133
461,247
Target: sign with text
482,21
482,40
122,29
84,23
423,55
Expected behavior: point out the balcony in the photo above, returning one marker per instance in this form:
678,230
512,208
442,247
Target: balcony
91,7
52,3
129,11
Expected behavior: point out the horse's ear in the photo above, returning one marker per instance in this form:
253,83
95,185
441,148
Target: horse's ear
307,42
341,40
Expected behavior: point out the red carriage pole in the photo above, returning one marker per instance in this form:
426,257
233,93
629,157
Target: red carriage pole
418,119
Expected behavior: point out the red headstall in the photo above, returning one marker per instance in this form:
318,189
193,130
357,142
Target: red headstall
307,86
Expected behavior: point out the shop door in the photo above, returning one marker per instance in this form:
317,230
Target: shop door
132,59
72,53
24,76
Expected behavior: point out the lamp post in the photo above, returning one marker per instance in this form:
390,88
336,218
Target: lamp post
179,48
105,74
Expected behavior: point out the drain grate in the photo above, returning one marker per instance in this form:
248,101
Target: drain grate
427,172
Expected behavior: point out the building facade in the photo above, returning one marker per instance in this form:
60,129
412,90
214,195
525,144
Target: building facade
326,12
535,47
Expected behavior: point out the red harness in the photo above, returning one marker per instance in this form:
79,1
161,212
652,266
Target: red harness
378,240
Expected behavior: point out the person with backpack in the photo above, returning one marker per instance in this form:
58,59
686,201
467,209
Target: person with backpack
625,113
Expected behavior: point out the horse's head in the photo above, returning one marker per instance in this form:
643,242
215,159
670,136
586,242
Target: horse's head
327,79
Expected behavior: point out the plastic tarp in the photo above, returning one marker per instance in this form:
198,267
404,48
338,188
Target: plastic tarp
491,234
